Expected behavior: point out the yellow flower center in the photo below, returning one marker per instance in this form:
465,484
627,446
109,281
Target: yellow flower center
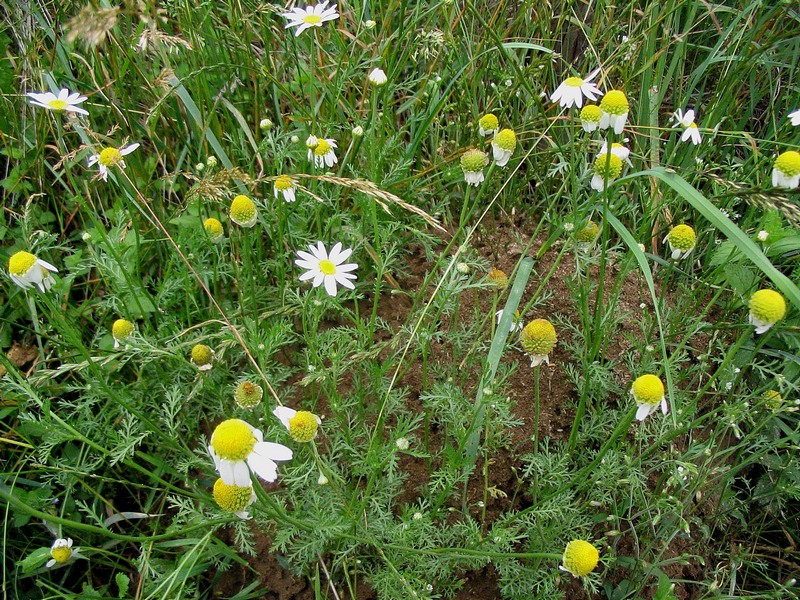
588,233
201,355
682,237
538,337
61,554
303,426
489,122
590,113
213,228
788,163
327,267
248,394
242,209
648,389
498,277
693,125
232,498
283,183
312,19
614,103
473,161
580,557
506,139
608,166
57,104
109,157
573,81
768,306
121,329
233,440
322,148
21,262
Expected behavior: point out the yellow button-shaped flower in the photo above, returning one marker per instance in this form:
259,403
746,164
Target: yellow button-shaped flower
580,558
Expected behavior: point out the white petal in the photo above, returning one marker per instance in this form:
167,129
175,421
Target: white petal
284,413
128,149
93,159
241,474
343,282
330,285
273,451
664,407
319,277
310,274
333,255
642,411
263,467
226,472
346,267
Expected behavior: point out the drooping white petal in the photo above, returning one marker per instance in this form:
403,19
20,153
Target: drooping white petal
284,414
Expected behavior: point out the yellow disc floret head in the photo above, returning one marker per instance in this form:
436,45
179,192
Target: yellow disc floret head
233,440
580,558
538,337
648,389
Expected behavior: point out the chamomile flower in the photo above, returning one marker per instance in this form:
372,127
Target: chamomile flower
488,124
795,117
767,307
302,425
503,146
243,211
573,89
587,234
497,277
648,392
614,110
26,270
121,330
238,448
516,320
606,168
472,163
328,269
64,101
202,357
234,498
61,551
285,185
111,157
690,130
248,394
617,149
321,152
310,16
590,117
377,77
538,339
681,240
214,229
580,558
786,172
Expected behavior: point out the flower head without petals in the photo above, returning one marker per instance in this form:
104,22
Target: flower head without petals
786,172
121,330
648,392
573,89
26,270
580,558
767,307
311,16
538,339
64,101
248,394
237,448
328,269
302,425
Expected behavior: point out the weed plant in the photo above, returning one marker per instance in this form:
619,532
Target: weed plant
319,237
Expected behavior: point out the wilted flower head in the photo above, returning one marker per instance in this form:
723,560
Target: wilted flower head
26,270
614,110
498,278
472,163
503,146
202,357
580,558
302,425
682,240
767,307
238,448
648,392
538,339
243,211
488,124
248,394
233,498
121,330
786,172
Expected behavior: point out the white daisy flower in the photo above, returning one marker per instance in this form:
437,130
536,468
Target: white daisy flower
328,269
617,149
63,102
302,425
795,117
61,551
238,448
648,392
285,185
321,152
310,16
377,77
690,130
26,270
573,89
111,157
